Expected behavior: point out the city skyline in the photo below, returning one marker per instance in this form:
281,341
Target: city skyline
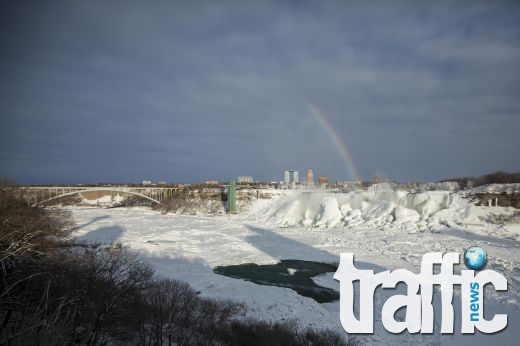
185,92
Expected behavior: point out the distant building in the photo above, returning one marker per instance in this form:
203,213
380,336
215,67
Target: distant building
379,179
212,182
348,183
291,177
244,179
324,181
310,178
147,182
161,182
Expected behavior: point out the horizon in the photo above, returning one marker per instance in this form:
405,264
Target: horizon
187,92
220,182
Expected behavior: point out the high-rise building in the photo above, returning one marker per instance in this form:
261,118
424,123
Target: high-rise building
310,178
291,177
324,181
243,179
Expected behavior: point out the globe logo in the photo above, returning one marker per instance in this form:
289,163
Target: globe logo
475,258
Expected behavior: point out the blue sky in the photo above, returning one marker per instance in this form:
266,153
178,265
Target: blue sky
187,91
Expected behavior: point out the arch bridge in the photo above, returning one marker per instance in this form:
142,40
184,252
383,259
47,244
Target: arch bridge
39,195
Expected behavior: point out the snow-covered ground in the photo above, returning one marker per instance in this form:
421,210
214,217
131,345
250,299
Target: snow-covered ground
497,188
384,229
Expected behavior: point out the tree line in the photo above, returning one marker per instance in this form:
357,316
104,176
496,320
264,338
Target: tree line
499,177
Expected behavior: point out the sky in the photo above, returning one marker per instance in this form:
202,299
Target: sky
185,91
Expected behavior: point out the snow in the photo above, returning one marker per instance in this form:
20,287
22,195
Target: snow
385,229
107,200
330,214
408,211
497,188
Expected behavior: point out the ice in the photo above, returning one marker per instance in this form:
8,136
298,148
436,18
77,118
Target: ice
366,208
329,214
404,215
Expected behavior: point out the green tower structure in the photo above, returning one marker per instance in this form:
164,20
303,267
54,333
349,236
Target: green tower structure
232,197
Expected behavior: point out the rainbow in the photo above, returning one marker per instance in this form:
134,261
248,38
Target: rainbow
336,139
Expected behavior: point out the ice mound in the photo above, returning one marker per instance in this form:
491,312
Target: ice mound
330,214
406,210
